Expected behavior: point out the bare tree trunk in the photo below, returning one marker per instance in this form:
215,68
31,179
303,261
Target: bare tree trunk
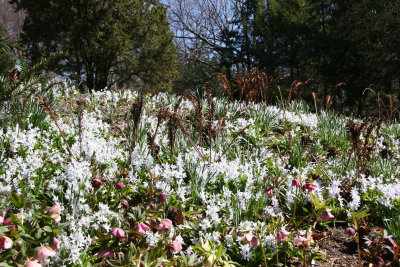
11,21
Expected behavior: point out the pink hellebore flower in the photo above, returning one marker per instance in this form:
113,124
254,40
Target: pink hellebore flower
166,224
326,215
55,212
309,187
302,242
163,196
248,237
1,218
255,242
55,244
96,183
106,253
269,191
350,231
5,242
120,185
118,233
141,228
296,182
32,264
282,235
176,247
44,252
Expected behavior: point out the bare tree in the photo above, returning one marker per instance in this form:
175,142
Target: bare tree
206,21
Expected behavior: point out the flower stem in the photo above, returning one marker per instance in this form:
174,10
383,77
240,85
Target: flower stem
263,253
277,252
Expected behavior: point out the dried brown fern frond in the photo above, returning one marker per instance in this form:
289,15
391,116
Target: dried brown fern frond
330,97
173,124
226,86
389,111
314,95
293,89
362,149
152,146
46,109
303,87
255,86
136,113
241,82
199,113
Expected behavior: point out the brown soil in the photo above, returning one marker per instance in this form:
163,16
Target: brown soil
339,249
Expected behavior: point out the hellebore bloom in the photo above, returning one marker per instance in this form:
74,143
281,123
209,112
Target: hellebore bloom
282,235
248,237
302,242
44,252
269,191
176,247
5,242
54,212
296,182
55,244
141,228
120,185
118,233
1,218
166,224
309,187
32,264
350,231
163,196
106,253
96,183
125,204
326,215
255,242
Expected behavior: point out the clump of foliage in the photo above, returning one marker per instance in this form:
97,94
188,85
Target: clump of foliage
124,178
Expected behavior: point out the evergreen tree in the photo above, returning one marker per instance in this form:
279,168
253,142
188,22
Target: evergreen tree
129,38
6,60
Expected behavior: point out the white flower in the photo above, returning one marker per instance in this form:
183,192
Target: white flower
152,239
245,250
356,200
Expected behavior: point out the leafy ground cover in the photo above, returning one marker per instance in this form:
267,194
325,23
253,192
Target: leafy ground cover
116,178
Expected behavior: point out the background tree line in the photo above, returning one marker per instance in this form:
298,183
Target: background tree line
133,43
331,41
101,43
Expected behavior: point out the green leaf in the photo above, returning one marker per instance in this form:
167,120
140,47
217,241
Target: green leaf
24,247
17,221
18,201
183,256
47,228
219,252
63,225
3,229
192,260
28,238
